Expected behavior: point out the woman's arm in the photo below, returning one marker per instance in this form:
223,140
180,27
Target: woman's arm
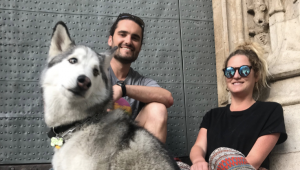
198,151
261,149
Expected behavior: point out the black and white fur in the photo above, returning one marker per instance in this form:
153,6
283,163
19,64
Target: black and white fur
76,87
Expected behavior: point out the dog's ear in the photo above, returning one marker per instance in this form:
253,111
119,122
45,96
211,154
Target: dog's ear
108,55
60,40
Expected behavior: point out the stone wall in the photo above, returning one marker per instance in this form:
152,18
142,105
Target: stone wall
275,24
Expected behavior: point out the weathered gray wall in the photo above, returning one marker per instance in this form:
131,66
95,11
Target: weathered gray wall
236,21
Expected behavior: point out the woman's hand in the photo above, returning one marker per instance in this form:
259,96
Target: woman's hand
200,166
198,151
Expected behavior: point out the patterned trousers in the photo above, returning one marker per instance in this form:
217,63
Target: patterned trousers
229,159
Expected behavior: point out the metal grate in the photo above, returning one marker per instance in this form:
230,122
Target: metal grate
178,52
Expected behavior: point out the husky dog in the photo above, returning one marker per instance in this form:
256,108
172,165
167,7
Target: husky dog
77,92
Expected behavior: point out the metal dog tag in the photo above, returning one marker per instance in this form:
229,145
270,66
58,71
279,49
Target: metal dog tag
56,141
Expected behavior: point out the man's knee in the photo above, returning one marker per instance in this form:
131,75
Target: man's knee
156,112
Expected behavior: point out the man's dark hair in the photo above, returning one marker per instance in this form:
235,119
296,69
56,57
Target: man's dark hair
123,16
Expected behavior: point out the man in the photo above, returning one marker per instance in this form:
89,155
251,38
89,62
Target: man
149,102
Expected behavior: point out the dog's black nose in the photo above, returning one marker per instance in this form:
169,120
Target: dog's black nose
83,82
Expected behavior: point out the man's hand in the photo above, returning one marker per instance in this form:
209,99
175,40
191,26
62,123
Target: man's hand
202,165
117,92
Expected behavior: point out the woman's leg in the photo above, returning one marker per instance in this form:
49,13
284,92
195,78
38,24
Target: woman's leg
228,159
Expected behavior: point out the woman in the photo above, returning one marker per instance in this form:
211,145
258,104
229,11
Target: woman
247,126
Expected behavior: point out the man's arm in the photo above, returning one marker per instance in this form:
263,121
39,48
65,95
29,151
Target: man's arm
145,94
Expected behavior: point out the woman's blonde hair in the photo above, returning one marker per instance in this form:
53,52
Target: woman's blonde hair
255,53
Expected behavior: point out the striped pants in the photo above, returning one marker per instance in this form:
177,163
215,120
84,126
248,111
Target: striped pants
229,159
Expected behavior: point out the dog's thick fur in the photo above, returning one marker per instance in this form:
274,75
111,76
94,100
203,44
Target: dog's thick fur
76,87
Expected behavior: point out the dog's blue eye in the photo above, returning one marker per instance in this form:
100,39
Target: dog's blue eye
73,60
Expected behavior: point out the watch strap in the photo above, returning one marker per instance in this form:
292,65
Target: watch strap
122,85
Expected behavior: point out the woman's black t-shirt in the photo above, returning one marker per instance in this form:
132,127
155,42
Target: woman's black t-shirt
239,130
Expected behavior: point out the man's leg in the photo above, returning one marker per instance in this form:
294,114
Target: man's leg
153,117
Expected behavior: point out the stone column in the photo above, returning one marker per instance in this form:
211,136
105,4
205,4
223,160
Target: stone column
275,25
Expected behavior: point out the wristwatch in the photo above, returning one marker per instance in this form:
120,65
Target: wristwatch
122,84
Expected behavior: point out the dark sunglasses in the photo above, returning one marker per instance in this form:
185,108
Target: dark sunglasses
244,71
135,18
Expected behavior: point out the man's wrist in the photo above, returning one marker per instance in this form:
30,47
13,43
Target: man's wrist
123,87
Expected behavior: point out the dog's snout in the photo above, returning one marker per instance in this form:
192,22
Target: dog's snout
83,82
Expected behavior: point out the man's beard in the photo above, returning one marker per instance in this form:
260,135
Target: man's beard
125,60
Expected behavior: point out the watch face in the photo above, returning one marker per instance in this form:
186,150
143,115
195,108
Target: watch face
120,83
